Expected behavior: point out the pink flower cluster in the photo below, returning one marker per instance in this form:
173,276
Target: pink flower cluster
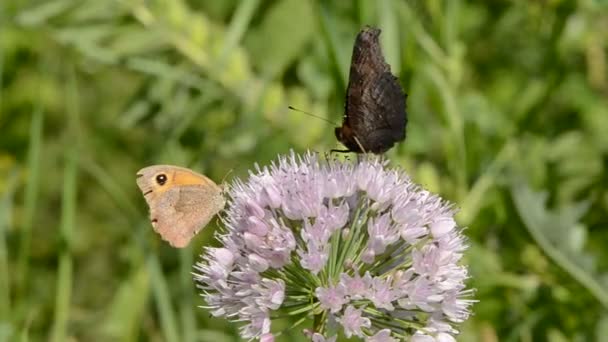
355,245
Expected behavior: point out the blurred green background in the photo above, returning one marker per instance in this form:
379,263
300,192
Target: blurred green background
508,109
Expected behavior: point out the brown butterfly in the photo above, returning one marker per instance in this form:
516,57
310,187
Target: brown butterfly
375,114
181,201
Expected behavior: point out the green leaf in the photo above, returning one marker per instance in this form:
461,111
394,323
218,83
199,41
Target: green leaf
272,49
552,231
127,308
41,14
601,329
7,202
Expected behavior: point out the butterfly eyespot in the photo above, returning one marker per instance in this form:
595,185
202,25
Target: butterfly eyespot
161,179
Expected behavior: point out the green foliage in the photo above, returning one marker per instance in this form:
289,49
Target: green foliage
508,112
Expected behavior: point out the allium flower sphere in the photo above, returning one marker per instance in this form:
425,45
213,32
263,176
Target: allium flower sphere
349,247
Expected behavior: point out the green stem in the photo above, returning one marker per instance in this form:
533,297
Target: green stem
31,199
162,297
187,303
319,322
68,214
6,209
353,242
66,232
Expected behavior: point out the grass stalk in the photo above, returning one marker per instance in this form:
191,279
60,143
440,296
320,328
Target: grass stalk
66,231
162,296
187,304
238,26
68,215
6,210
32,186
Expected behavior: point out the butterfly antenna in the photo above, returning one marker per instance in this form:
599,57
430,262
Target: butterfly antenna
314,116
223,183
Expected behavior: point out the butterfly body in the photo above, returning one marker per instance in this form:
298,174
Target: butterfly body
181,201
375,109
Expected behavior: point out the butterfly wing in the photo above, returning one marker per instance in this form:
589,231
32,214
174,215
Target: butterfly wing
375,109
181,202
183,211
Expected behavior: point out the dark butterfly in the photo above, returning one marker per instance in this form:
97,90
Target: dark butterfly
374,113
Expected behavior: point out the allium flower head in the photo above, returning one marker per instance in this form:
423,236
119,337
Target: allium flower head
349,247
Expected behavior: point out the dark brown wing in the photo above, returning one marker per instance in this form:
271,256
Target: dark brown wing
375,113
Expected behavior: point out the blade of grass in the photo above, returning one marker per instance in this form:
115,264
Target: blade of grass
2,20
64,276
68,216
162,297
473,202
24,336
426,42
450,26
238,26
38,15
365,12
175,73
128,308
390,34
198,106
111,187
328,30
24,329
63,294
32,186
181,43
454,143
441,73
187,302
6,210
